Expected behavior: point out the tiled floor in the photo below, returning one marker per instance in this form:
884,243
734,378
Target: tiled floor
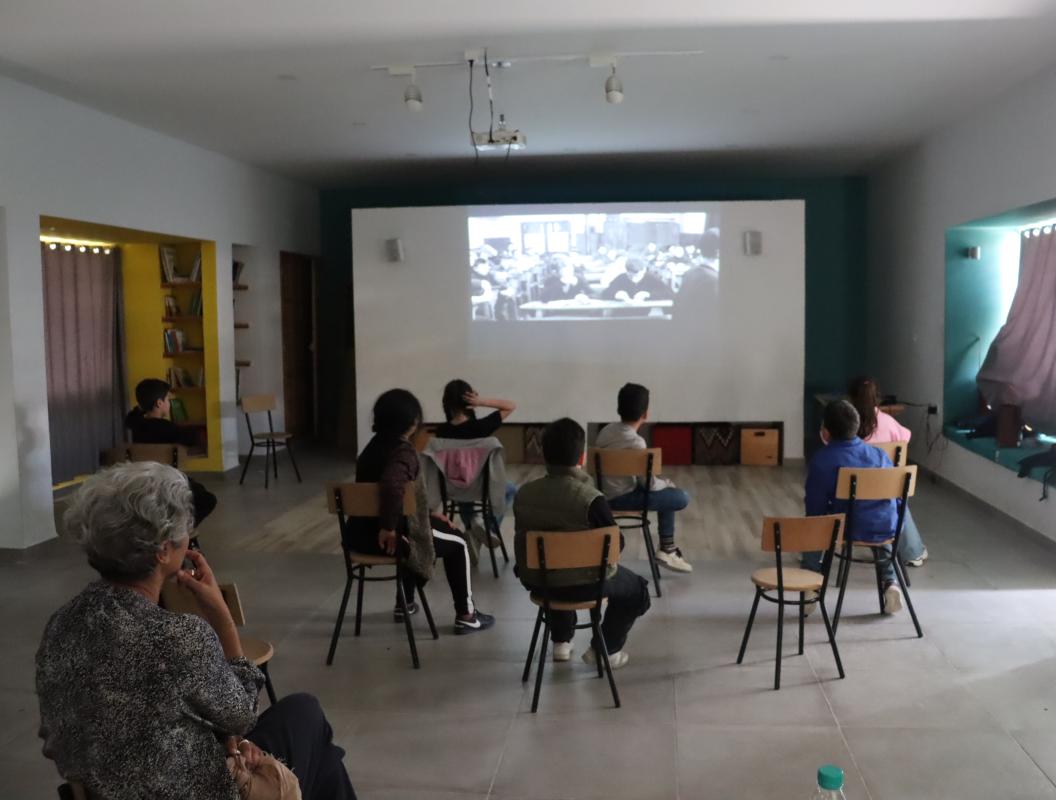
966,712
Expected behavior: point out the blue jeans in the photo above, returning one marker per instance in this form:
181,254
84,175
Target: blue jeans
665,502
465,510
910,548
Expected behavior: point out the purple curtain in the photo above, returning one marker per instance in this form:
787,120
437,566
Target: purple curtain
1020,367
84,355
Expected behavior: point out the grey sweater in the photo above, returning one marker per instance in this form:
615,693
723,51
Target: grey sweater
621,436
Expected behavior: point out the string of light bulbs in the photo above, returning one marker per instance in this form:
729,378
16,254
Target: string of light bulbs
82,246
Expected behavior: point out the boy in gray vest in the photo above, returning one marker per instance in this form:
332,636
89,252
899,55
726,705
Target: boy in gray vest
567,500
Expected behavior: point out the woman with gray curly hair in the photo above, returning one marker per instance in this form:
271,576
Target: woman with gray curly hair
136,701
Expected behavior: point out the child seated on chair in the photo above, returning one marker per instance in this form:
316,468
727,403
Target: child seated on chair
390,460
567,500
150,424
627,494
873,520
876,427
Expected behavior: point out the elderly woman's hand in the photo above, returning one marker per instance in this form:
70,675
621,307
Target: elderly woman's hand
202,583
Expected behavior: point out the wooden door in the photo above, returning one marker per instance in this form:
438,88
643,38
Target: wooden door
298,343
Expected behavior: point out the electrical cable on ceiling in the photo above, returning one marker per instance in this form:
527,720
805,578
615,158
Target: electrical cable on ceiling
491,99
472,140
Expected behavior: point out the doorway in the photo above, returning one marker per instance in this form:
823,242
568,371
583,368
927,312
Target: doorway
299,368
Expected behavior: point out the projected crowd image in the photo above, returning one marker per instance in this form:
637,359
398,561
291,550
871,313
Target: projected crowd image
538,267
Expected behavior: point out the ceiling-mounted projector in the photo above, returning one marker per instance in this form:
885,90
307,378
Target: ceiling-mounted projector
499,140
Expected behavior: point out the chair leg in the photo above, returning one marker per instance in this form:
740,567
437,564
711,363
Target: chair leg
604,649
491,550
275,459
542,663
877,564
780,634
340,620
843,589
498,532
905,572
267,684
748,627
267,462
359,598
832,636
802,617
289,452
650,550
252,447
905,593
595,642
531,647
401,598
428,612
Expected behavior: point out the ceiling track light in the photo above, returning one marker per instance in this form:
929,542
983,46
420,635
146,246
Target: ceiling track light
412,95
613,88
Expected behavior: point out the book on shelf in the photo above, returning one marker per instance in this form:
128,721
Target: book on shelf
236,271
172,308
175,340
195,309
196,270
180,378
177,410
167,255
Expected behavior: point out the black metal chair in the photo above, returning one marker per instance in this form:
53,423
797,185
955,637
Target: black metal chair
877,483
271,439
546,551
641,465
360,501
482,506
795,535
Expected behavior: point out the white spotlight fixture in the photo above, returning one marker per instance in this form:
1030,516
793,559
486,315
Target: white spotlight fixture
52,246
613,88
412,97
83,249
106,251
67,247
95,250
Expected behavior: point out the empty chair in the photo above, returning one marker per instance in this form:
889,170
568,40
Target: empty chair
640,464
886,483
357,501
270,439
598,548
795,535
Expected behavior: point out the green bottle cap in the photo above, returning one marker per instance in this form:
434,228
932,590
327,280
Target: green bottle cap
830,777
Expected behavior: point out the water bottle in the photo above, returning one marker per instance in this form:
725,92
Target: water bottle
830,784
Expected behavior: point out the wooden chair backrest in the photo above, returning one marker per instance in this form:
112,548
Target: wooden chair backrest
802,534
876,483
573,549
179,600
161,453
624,463
361,499
258,402
898,452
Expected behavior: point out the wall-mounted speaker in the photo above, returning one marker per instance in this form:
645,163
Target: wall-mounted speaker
394,250
973,253
753,243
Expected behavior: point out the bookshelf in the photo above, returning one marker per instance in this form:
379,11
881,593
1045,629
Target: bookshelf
240,255
170,332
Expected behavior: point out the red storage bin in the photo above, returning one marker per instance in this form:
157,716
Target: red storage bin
676,441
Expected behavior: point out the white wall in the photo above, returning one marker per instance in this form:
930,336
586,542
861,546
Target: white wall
742,360
61,159
997,158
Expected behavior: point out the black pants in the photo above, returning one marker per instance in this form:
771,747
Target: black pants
295,730
628,595
450,548
204,501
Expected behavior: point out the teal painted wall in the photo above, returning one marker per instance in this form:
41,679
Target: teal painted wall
835,254
974,314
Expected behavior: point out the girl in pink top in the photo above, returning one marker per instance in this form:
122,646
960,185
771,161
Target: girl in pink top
876,427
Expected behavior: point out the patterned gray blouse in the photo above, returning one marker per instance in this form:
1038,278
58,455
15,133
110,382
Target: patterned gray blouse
124,687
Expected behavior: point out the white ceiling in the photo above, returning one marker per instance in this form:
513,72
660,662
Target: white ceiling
827,85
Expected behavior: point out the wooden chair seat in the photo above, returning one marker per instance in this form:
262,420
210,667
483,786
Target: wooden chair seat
796,580
582,605
368,560
278,436
257,650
